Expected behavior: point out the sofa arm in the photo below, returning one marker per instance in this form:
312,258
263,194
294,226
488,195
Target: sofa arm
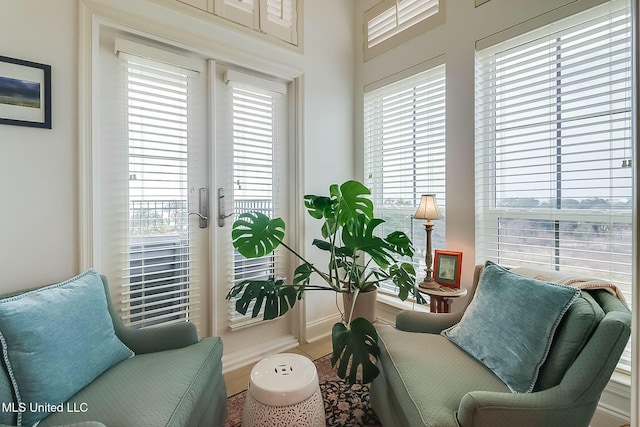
547,408
432,323
158,338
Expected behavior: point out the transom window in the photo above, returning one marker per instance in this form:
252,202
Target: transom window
392,22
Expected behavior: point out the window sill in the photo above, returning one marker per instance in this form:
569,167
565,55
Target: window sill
391,302
620,383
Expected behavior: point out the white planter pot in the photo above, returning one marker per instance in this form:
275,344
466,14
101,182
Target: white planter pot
365,305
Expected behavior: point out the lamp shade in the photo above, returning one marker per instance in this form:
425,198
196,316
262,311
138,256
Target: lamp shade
428,208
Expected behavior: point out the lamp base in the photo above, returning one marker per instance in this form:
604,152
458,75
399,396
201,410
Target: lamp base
429,284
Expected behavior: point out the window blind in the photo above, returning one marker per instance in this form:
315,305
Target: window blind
553,148
256,117
158,284
404,155
397,17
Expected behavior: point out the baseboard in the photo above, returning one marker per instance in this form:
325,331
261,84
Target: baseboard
606,416
248,355
614,407
321,328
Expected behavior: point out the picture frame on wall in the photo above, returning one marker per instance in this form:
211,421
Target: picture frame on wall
25,93
447,268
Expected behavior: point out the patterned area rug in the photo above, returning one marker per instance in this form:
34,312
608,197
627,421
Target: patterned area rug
345,405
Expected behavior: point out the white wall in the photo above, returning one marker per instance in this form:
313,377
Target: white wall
456,39
329,74
38,167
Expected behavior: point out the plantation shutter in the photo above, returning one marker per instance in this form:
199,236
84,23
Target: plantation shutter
553,148
404,155
278,18
397,17
256,108
159,284
274,17
244,12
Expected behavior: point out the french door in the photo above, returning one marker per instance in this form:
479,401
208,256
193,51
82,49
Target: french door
152,190
182,139
251,150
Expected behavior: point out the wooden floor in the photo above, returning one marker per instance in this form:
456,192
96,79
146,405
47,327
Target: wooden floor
237,380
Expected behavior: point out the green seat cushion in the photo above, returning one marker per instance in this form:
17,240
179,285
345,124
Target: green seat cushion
572,334
181,387
510,323
429,377
55,340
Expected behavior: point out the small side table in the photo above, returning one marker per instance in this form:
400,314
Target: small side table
441,297
284,391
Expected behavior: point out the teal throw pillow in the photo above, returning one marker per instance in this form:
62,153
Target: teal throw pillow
56,340
510,323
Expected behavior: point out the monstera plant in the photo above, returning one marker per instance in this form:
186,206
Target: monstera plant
358,261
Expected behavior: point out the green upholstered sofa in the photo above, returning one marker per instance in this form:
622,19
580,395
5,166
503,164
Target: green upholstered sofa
173,379
426,380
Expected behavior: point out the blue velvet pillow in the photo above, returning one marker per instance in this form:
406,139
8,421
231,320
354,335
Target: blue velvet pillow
510,323
56,340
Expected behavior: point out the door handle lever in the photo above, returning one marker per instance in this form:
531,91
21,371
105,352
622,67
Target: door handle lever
203,208
222,215
199,215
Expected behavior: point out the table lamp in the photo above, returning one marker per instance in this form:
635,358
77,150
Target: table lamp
428,210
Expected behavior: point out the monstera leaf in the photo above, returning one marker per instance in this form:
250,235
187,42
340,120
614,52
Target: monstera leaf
358,234
255,235
404,277
302,274
355,346
400,243
319,206
352,201
276,297
345,202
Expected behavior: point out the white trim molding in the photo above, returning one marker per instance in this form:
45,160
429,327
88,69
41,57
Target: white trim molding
635,324
86,106
249,355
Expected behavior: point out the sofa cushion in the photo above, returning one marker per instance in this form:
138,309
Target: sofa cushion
510,323
428,378
56,340
159,389
572,334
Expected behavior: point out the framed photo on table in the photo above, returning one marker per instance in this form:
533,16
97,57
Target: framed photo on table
447,268
25,93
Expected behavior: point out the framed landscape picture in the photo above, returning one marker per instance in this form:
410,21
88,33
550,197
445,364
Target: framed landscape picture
447,268
25,93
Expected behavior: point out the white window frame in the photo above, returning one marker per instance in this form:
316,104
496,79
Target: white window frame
488,211
427,83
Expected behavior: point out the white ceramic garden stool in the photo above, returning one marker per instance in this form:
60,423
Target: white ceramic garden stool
284,391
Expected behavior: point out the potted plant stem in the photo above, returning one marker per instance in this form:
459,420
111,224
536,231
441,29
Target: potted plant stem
359,261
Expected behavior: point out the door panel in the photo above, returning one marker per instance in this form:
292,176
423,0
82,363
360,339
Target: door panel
152,158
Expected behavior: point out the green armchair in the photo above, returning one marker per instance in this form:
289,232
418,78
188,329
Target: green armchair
174,379
426,380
